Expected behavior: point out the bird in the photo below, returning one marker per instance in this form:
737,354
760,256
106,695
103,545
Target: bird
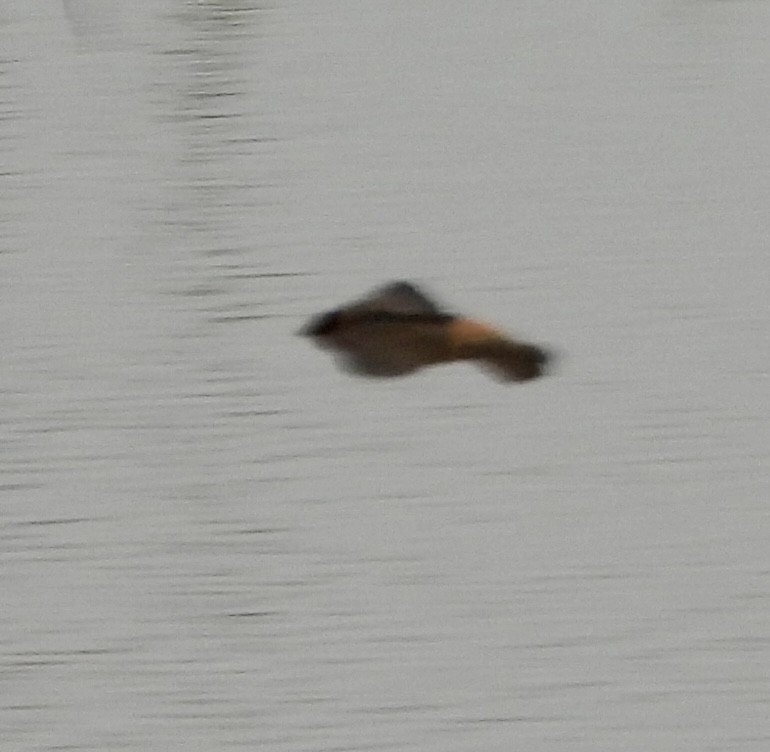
398,329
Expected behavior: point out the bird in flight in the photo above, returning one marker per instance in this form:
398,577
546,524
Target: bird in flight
397,329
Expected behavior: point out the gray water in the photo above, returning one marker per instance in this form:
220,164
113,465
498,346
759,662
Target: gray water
213,540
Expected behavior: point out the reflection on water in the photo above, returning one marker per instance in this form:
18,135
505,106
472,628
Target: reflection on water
212,539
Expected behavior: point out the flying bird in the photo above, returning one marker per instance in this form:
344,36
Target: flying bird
397,329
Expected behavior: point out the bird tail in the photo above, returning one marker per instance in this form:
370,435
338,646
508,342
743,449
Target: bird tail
513,361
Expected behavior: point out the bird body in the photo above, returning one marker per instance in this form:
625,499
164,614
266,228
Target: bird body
397,329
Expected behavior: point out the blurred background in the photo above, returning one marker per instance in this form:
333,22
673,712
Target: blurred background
213,540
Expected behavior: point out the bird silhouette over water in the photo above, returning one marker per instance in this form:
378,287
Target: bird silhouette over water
397,329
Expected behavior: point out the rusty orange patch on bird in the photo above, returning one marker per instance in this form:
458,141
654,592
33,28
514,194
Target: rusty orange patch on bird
464,332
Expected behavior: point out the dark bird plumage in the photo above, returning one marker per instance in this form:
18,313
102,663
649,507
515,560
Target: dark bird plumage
397,329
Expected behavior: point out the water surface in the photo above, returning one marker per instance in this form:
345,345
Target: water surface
214,540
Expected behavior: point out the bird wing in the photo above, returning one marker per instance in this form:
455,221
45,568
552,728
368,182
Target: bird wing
398,298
